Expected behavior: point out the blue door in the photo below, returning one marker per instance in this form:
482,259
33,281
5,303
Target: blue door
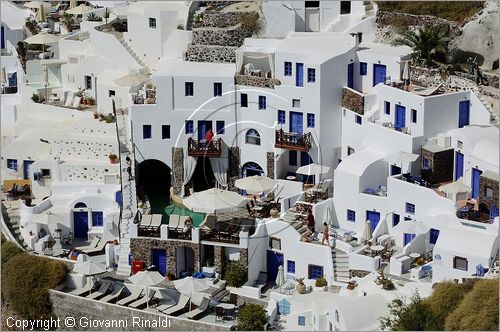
81,224
463,113
160,260
299,74
395,170
400,117
374,218
274,260
119,198
202,130
459,165
13,80
3,38
296,123
407,238
379,74
26,168
350,75
476,174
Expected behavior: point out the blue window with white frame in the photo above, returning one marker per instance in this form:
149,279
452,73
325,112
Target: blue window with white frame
281,117
301,321
358,119
283,307
414,116
188,89
288,68
363,68
299,74
292,158
410,208
189,128
97,219
311,122
311,75
262,102
220,127
315,271
425,163
290,266
387,107
12,164
434,234
351,215
217,89
146,132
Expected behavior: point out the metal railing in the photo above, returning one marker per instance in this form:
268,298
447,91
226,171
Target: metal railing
202,149
293,141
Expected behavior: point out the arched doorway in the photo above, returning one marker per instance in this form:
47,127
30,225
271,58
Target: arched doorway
154,180
251,169
203,177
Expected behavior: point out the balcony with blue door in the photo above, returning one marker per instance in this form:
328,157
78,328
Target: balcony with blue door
202,148
293,141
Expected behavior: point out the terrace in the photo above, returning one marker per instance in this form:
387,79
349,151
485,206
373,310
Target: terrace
201,148
293,141
255,65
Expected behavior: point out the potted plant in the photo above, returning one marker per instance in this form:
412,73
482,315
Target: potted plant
301,287
385,282
113,158
90,100
170,276
351,285
321,283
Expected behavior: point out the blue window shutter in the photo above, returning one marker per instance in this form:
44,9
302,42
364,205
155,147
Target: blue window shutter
97,218
351,215
299,74
288,68
359,119
291,266
362,68
311,75
350,75
301,321
165,131
146,131
310,120
434,234
262,102
463,113
387,107
281,117
189,128
12,164
220,127
217,89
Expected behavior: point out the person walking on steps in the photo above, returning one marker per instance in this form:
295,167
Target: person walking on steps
129,167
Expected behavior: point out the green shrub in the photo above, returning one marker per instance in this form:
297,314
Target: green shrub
9,250
26,280
251,21
92,17
321,282
180,26
235,274
412,315
251,317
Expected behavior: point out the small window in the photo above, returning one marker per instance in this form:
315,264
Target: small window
387,107
244,100
290,266
152,22
97,219
80,205
45,172
281,117
359,119
410,208
262,102
312,4
292,158
146,132
88,82
295,103
217,89
301,321
351,215
460,144
425,163
288,68
165,131
220,127
311,122
434,234
315,271
350,150
189,89
311,75
189,128
395,219
252,137
112,93
12,164
275,243
460,263
414,116
489,192
362,68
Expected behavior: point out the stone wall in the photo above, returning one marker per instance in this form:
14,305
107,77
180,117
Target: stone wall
232,36
261,82
141,250
81,310
440,166
485,182
359,273
210,53
218,257
177,170
220,20
270,165
353,101
234,167
244,256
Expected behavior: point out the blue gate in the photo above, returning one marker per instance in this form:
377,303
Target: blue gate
26,168
296,122
274,260
160,260
463,113
379,73
374,218
81,224
299,74
400,117
476,174
350,75
459,165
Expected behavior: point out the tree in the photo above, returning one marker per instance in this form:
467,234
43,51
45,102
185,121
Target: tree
235,274
9,250
478,310
425,41
412,315
252,317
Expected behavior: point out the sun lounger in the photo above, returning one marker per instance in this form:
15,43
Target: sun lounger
97,249
106,284
173,220
84,290
146,220
69,100
163,307
209,222
134,295
92,244
181,305
142,302
156,221
117,290
76,102
200,310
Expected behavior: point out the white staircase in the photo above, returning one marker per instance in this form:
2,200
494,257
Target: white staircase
129,208
493,116
340,265
132,53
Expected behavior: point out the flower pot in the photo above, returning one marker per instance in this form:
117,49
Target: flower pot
301,288
113,161
91,101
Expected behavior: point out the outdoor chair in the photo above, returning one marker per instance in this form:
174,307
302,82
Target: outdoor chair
229,314
200,310
134,295
92,244
250,212
233,298
163,307
115,294
179,307
85,289
97,249
219,313
105,286
142,302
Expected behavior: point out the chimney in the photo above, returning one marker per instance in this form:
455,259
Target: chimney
356,39
360,37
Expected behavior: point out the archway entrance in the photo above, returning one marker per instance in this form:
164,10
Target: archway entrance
154,180
203,176
251,169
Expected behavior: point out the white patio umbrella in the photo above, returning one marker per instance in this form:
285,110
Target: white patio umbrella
42,39
147,278
72,4
412,227
312,169
46,80
255,184
190,285
214,200
78,10
280,278
401,158
130,80
456,187
367,233
406,72
89,268
36,4
40,14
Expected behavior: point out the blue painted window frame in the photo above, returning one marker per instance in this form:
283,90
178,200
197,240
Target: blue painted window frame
301,320
434,234
147,132
387,107
12,164
315,271
311,120
281,117
217,89
288,68
290,266
165,132
311,75
299,74
262,103
351,215
189,128
410,208
188,89
363,68
220,127
413,116
244,100
97,219
358,119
